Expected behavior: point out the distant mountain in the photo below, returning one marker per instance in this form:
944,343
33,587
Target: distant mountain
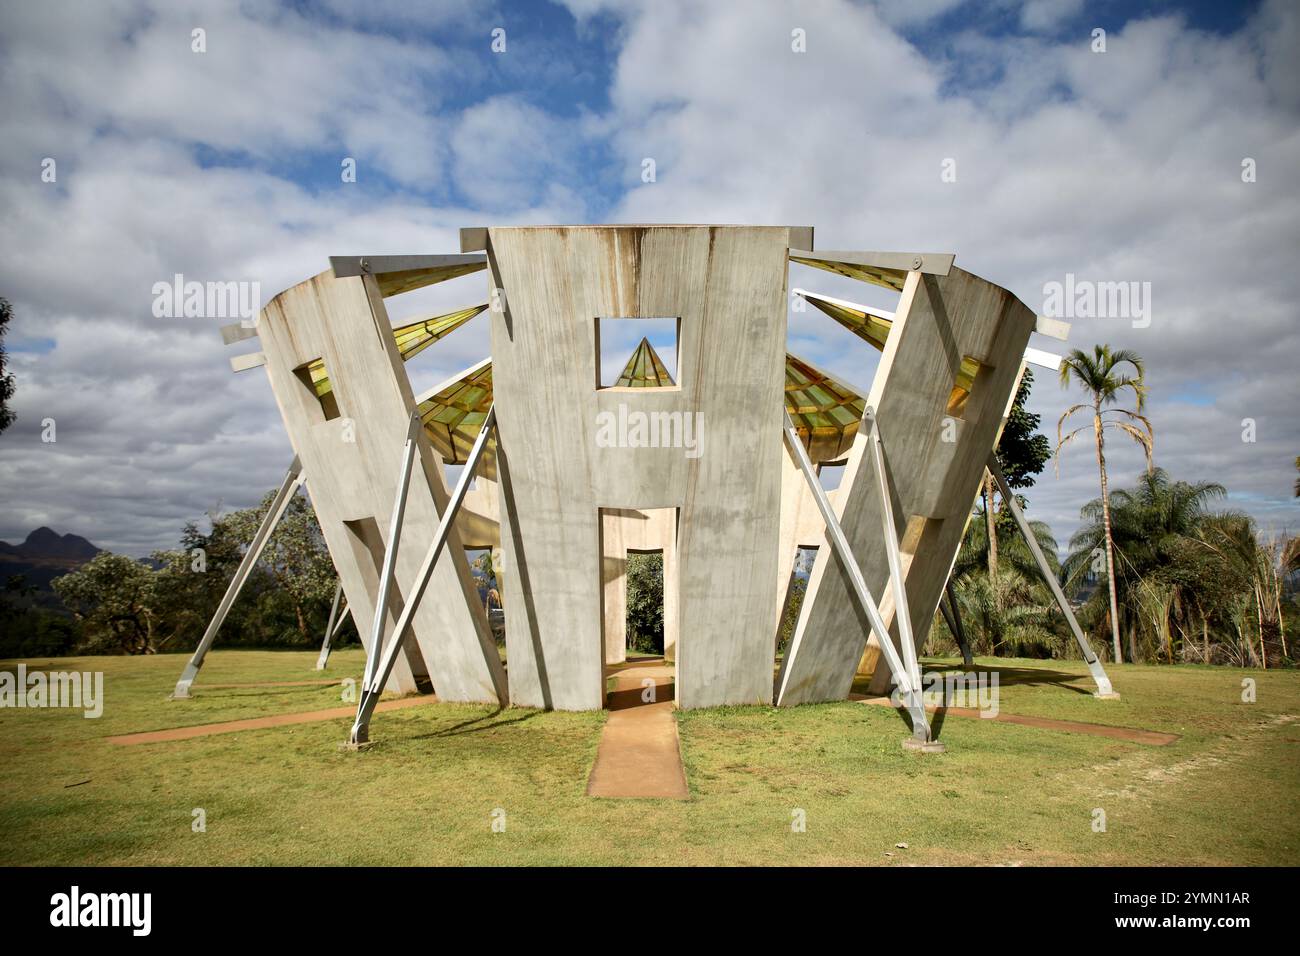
46,543
45,555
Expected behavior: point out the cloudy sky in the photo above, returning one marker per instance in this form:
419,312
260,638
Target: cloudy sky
1124,165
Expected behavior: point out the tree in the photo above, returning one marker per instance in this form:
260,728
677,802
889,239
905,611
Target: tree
295,557
645,600
1022,454
115,599
7,378
1102,377
1010,610
1156,530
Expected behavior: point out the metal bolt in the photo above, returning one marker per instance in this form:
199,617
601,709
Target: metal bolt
916,262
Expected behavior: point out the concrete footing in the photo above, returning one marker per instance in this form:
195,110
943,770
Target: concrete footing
923,746
1111,696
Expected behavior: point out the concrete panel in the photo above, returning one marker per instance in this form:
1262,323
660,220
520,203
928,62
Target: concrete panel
613,582
940,320
727,285
351,447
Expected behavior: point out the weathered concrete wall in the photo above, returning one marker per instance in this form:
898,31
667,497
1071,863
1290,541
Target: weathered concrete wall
351,462
727,285
933,481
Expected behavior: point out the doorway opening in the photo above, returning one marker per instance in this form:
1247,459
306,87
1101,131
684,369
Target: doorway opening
638,604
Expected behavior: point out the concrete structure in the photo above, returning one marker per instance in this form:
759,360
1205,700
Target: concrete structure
716,465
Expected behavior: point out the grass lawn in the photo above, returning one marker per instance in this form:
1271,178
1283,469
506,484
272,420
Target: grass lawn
1227,792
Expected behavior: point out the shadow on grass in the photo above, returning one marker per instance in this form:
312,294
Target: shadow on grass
1025,676
476,724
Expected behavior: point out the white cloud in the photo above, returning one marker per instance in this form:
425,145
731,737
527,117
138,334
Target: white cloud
1044,15
509,154
1117,166
1124,165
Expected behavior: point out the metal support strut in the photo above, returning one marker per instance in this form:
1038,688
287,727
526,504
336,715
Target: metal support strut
909,691
952,616
1104,690
378,669
902,613
332,627
292,480
390,552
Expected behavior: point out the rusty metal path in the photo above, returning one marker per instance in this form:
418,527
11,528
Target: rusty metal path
259,723
640,753
1154,738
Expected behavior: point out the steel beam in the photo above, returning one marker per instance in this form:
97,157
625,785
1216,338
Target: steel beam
292,479
933,263
901,612
1104,690
345,266
910,692
390,548
377,677
329,628
953,617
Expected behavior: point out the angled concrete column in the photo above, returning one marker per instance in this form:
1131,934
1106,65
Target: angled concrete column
350,428
935,445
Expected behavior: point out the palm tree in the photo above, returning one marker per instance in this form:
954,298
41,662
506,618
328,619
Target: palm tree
1157,530
1010,609
1101,376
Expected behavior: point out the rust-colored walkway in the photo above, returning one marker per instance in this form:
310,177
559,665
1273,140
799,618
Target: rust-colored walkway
639,754
1135,735
260,723
275,683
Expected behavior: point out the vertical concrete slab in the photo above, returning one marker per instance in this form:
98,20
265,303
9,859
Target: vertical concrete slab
932,480
351,447
613,581
727,286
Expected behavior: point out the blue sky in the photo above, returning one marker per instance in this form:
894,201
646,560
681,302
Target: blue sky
1115,166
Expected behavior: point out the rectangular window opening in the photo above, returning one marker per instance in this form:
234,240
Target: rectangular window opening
637,352
315,378
964,385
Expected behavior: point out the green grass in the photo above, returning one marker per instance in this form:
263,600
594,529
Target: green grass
1225,793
